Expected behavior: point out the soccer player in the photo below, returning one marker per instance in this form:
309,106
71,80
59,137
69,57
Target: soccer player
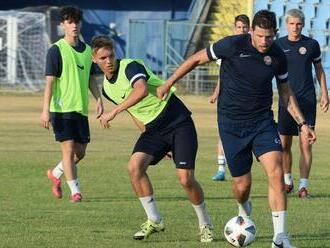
245,118
68,68
241,26
301,52
168,127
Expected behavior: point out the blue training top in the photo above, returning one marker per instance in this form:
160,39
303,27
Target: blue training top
246,77
300,55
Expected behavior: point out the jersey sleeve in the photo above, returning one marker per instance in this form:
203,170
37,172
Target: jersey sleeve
282,73
220,49
316,53
95,69
135,71
54,62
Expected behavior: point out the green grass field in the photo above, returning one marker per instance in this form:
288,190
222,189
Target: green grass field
110,213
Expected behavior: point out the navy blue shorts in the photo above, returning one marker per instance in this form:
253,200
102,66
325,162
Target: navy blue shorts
288,126
241,139
71,129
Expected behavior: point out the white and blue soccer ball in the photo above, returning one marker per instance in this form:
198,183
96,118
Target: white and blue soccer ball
240,231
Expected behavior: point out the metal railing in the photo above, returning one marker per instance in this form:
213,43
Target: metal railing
163,50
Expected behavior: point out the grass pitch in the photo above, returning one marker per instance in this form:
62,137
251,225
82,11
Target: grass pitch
110,213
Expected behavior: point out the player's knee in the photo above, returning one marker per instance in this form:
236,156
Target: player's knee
242,189
276,172
80,154
131,169
68,153
286,147
305,147
187,180
275,178
134,169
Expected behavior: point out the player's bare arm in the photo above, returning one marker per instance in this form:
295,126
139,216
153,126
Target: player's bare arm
139,91
324,99
94,89
290,101
198,58
45,118
214,97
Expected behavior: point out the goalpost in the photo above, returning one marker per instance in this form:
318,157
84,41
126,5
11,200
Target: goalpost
23,47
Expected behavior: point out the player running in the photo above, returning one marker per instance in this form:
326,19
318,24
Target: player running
245,118
168,127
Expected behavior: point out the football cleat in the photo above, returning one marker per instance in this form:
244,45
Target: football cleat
303,193
147,228
56,188
282,241
219,176
206,233
76,198
288,188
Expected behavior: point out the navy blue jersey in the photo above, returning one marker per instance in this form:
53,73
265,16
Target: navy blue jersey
54,60
300,56
133,72
246,76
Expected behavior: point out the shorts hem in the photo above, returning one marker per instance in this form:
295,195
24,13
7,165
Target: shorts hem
268,150
240,174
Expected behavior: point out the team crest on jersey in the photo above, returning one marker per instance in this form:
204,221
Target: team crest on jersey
302,50
268,60
277,141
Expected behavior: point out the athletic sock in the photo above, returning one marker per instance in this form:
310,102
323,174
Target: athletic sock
279,223
288,178
303,183
222,163
244,209
58,170
150,207
74,186
202,215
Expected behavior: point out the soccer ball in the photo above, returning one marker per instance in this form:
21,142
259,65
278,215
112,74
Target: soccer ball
240,231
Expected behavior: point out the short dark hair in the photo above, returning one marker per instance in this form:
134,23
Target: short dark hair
100,42
242,18
70,13
265,19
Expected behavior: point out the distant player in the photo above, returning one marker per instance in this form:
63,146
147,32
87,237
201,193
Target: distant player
241,26
168,127
68,68
245,118
301,52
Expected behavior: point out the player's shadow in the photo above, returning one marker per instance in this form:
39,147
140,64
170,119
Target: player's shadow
325,236
230,197
182,197
109,199
182,239
316,196
113,198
